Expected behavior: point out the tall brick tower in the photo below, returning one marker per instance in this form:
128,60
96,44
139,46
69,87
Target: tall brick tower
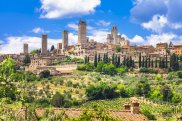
64,39
115,34
25,48
44,44
59,46
82,32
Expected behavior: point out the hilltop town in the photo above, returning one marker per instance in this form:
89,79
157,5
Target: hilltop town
114,80
116,44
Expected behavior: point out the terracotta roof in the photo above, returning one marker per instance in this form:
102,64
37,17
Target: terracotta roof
125,115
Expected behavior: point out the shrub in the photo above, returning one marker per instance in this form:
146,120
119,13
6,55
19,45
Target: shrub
67,104
176,98
101,91
156,95
86,67
121,70
76,85
148,70
148,115
158,77
45,74
109,69
100,66
44,102
61,82
179,73
57,100
122,91
69,84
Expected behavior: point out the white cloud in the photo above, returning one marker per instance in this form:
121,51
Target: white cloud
39,30
14,45
67,8
99,35
1,42
176,25
73,26
137,39
72,39
103,23
165,37
156,24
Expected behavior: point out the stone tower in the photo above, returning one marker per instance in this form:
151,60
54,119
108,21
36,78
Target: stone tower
25,48
110,38
64,39
82,32
114,33
59,46
44,44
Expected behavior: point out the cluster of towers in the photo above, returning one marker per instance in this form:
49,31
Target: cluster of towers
82,39
114,38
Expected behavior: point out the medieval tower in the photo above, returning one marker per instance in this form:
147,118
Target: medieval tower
82,32
44,44
115,34
64,39
25,48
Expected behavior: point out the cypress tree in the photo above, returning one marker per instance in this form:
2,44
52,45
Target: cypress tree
143,62
124,61
146,62
130,62
85,59
160,63
107,58
149,64
140,60
118,62
26,59
113,59
88,59
95,60
99,58
156,63
174,64
133,64
152,64
163,63
52,48
166,61
104,58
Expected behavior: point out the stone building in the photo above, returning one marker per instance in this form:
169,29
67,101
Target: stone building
161,48
177,49
114,33
64,40
44,45
116,39
39,62
25,48
82,32
59,46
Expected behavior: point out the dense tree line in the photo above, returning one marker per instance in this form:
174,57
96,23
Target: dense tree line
142,88
107,65
162,62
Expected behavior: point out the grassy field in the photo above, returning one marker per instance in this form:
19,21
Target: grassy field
76,84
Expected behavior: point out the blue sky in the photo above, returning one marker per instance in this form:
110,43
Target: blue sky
140,21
